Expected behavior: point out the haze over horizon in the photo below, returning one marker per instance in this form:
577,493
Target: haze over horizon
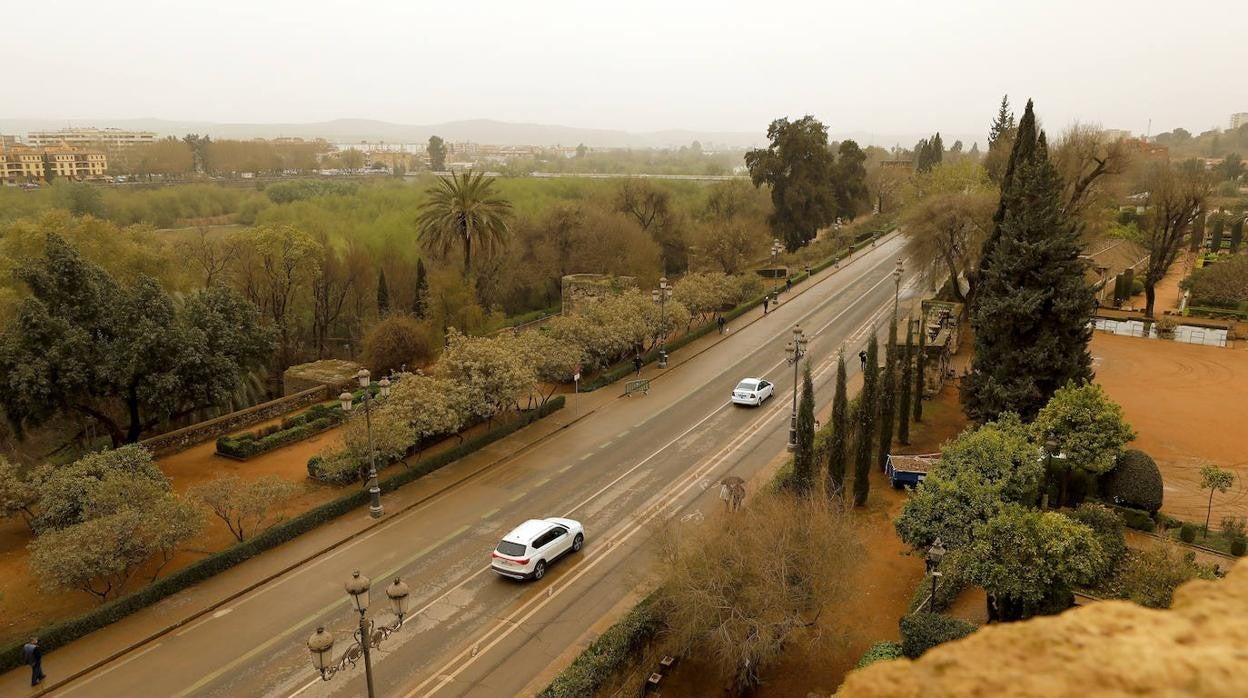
891,67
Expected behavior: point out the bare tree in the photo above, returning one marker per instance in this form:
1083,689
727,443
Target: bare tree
245,507
214,257
742,587
1087,161
1174,200
947,232
334,280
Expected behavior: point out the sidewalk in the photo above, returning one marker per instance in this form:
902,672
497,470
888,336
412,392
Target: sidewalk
103,646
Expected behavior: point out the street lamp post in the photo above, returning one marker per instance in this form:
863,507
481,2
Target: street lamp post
368,636
934,556
776,249
897,281
374,489
660,296
1050,452
796,349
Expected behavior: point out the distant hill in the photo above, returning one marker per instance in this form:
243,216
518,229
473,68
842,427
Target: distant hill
475,130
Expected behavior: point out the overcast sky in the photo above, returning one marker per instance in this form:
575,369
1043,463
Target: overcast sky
876,66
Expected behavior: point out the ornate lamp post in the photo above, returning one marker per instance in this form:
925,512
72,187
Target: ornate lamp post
1050,452
368,636
776,249
897,281
796,349
934,555
383,389
660,296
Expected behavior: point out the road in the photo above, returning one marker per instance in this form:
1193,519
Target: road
623,471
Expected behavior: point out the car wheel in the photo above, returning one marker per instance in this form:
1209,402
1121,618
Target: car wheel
577,543
540,570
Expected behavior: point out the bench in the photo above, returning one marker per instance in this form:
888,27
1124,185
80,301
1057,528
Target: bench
641,385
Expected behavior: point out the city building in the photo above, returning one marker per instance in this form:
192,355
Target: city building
6,141
90,137
21,164
1239,119
1116,134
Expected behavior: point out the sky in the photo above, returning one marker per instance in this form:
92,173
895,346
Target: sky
877,66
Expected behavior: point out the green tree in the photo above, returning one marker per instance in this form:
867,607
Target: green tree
420,298
383,294
1032,315
888,393
1088,427
246,508
867,406
19,492
1197,234
127,357
905,385
804,455
1024,558
1174,201
437,154
1000,141
799,168
839,444
1214,479
464,211
850,179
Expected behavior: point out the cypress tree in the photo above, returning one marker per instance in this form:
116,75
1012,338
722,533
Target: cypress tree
888,394
422,290
1215,241
804,456
1033,311
920,366
866,424
1237,235
1022,151
383,295
1003,125
840,433
903,403
1198,232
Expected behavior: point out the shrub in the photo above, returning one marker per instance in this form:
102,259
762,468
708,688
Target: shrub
880,652
1107,524
952,582
399,340
1239,547
1150,577
923,631
1135,481
1187,534
1235,528
70,630
606,654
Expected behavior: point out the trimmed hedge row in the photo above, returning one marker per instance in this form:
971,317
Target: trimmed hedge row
310,422
951,583
606,654
922,631
74,628
623,369
881,651
1138,519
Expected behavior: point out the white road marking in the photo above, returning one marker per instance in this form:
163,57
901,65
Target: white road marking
88,679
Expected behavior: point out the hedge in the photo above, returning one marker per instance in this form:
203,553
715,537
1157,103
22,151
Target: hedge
922,631
74,628
606,654
1135,481
621,370
1138,519
952,582
310,422
881,651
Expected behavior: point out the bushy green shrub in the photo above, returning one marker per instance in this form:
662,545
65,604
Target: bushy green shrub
952,582
1107,524
1187,534
1239,547
1135,481
923,631
880,652
606,654
1135,518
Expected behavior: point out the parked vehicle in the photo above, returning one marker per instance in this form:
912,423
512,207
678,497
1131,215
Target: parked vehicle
531,547
753,391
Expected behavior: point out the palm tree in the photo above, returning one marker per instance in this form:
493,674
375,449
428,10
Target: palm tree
464,211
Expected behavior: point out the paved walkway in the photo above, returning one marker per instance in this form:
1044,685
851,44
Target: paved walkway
197,603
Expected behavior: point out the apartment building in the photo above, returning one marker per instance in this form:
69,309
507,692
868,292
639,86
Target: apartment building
111,138
21,164
1239,119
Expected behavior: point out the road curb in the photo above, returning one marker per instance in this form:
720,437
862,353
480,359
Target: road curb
303,561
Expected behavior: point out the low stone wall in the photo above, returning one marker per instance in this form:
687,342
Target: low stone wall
184,438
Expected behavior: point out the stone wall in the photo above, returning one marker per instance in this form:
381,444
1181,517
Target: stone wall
338,374
1198,647
186,437
579,289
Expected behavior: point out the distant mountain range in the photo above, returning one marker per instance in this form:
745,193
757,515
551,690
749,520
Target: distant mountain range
475,130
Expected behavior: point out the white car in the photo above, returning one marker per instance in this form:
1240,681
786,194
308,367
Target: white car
531,547
753,391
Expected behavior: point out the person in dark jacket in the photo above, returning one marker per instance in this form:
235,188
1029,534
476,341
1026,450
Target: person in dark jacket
637,363
862,357
34,657
721,322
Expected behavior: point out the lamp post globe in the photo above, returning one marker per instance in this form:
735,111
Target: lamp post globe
357,588
383,387
362,376
321,645
345,399
398,594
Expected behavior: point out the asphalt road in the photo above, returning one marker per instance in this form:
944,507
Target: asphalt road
622,471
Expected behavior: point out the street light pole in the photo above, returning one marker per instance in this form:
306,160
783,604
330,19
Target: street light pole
368,636
934,555
776,249
660,296
897,283
796,349
374,488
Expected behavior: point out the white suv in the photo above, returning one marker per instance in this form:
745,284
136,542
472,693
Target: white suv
533,545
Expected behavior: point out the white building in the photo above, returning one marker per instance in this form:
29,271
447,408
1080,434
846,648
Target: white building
89,137
1238,120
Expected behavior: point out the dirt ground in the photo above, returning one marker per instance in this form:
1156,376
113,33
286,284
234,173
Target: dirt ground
1186,403
883,583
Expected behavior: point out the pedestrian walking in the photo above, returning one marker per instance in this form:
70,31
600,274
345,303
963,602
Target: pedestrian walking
766,302
34,657
720,321
862,358
637,363
788,284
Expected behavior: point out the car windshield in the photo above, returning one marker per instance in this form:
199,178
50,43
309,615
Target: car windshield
747,385
507,547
